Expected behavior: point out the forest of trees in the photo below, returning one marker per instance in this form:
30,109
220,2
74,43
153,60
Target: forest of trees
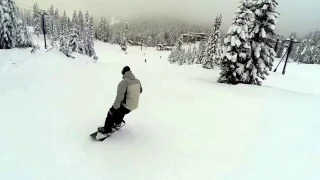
244,55
208,54
247,53
306,51
13,30
72,32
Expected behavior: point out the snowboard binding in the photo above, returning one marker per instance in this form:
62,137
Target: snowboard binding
101,136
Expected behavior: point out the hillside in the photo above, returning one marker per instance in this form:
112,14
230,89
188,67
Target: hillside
187,126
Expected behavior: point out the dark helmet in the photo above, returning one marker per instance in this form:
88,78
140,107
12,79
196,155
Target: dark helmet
125,69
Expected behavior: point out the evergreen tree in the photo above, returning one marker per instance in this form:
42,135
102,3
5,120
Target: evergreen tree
248,60
263,53
80,21
36,20
177,55
174,56
80,30
74,36
179,43
202,51
69,23
86,36
64,37
194,55
103,31
91,52
149,41
160,38
213,53
56,25
125,38
20,41
280,51
303,46
8,24
24,39
49,23
189,56
29,19
106,31
238,49
311,53
181,57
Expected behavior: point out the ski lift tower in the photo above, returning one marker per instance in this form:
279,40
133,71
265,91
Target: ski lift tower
287,54
43,13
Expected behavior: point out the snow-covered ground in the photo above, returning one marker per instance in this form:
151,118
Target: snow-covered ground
187,126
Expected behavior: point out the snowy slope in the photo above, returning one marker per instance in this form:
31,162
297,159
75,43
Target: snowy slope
187,125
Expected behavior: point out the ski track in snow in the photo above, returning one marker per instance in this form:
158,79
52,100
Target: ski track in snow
187,125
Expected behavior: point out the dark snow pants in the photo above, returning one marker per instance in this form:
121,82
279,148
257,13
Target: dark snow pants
115,118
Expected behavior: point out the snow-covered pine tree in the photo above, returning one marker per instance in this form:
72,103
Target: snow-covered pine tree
96,33
160,38
149,41
181,57
238,50
74,36
177,55
194,55
311,54
69,23
219,49
18,12
101,29
80,30
213,51
64,37
281,49
179,43
173,36
56,25
174,56
8,24
24,39
36,20
20,31
103,34
106,31
91,51
86,33
125,38
29,18
303,47
263,53
49,23
202,51
189,56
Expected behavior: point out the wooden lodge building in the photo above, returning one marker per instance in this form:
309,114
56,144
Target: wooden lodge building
193,37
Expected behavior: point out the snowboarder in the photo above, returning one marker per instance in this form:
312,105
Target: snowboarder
145,60
127,100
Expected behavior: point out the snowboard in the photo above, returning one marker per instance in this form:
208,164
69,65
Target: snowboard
103,137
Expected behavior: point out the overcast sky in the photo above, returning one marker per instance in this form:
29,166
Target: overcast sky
301,16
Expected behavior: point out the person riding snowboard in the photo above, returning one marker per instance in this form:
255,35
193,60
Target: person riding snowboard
127,100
